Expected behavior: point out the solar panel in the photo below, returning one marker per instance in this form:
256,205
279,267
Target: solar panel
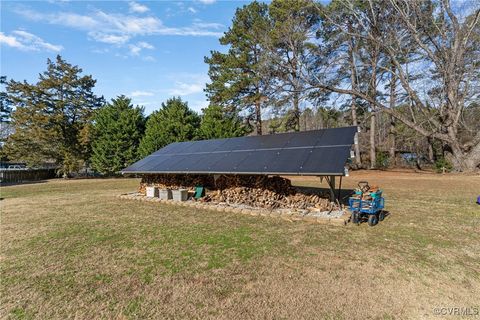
316,152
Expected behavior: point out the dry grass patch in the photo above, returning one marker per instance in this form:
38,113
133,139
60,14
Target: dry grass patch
71,249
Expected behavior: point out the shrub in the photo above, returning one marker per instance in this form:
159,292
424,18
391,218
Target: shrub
442,165
382,160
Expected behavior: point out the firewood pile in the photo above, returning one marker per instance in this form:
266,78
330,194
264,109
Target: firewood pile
255,191
275,183
267,199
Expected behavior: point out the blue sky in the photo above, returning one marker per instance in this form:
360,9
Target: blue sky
149,51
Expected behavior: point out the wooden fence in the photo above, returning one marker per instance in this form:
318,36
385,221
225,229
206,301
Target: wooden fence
21,175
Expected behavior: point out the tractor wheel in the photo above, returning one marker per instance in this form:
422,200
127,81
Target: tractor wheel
381,216
356,218
372,220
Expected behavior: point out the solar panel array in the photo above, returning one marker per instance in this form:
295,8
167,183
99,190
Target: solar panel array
316,152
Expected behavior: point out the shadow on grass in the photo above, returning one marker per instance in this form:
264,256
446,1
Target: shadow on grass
344,194
364,218
9,184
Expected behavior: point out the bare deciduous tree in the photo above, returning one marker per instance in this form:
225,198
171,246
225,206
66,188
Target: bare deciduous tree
442,44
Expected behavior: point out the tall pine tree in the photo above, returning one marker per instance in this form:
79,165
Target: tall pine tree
5,116
291,51
5,103
174,122
238,77
51,117
117,131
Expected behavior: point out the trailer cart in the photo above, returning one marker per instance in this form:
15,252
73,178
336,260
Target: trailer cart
365,204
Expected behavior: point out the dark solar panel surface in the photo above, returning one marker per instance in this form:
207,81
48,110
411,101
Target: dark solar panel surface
316,152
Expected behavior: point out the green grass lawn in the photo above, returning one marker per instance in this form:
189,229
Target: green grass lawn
71,249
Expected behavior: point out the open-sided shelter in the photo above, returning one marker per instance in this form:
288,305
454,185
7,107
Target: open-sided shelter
322,153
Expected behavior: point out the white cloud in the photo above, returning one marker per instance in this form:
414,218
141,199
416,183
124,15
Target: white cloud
198,105
137,7
75,20
189,31
101,50
139,93
185,89
10,41
109,38
120,25
190,84
126,24
207,25
192,10
145,45
207,1
115,29
136,48
27,41
149,59
67,19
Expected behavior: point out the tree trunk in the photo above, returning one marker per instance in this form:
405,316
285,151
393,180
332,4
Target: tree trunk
391,131
353,80
296,111
356,146
258,118
296,93
473,160
392,143
373,156
465,161
373,95
431,156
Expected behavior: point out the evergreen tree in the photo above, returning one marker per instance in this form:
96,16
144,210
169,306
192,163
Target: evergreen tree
117,131
5,103
5,116
174,122
218,124
52,115
238,78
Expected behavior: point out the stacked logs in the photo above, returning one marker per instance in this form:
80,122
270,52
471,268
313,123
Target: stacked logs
264,198
255,191
275,183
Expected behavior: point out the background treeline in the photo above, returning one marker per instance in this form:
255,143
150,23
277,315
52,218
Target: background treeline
60,120
406,72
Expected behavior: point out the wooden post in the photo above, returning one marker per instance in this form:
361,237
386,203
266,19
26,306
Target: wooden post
332,188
